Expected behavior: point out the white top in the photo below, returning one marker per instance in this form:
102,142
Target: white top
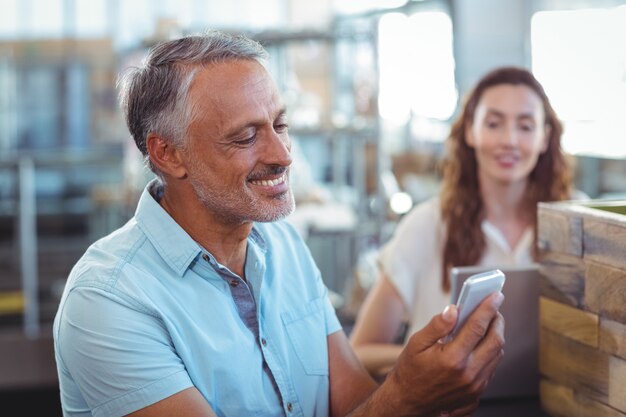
413,256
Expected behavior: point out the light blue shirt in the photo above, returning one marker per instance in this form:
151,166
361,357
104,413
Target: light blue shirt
147,312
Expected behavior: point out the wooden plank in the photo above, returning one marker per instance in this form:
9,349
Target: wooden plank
557,400
581,367
588,407
617,382
605,242
613,337
605,291
562,401
559,230
563,278
570,322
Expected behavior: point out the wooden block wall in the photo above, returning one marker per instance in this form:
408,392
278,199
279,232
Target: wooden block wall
582,348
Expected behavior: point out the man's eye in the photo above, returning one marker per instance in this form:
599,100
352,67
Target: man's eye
281,128
246,141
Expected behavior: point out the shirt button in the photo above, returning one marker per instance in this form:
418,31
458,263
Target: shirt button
256,265
205,257
264,343
289,407
234,283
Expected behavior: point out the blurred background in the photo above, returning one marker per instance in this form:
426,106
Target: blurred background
371,88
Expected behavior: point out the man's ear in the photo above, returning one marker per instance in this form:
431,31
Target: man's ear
165,156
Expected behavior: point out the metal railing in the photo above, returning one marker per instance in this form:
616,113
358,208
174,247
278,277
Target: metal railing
21,203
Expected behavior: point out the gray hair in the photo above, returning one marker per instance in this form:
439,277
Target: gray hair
153,97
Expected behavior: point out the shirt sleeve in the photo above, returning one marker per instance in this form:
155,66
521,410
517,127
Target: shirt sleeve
120,355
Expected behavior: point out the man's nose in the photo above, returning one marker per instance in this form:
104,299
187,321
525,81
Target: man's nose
279,149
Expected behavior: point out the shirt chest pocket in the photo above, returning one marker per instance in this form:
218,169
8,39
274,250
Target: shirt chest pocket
306,328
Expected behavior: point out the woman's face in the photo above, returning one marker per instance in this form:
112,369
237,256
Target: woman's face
508,133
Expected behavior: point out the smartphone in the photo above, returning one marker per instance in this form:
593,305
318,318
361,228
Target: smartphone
474,290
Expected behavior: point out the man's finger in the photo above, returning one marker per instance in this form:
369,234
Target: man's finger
478,323
440,326
491,348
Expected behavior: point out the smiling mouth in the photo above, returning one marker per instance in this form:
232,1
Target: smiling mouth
507,159
270,183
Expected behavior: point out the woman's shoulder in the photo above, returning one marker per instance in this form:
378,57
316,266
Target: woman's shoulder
428,210
423,217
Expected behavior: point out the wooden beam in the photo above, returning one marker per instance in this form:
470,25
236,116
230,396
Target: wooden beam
559,231
562,401
574,364
617,382
605,242
570,322
605,291
613,337
563,278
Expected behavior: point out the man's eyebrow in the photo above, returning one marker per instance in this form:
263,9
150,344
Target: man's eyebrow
281,113
235,130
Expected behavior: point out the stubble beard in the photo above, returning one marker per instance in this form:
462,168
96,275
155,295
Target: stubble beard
243,208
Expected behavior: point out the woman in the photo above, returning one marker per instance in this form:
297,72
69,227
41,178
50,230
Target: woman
504,156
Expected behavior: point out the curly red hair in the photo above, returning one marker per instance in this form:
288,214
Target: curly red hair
461,206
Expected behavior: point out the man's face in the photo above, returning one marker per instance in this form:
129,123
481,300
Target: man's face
238,148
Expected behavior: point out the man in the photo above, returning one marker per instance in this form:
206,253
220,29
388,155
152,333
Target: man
204,302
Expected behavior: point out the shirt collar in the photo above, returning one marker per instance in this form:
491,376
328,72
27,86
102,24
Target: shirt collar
257,238
170,240
497,237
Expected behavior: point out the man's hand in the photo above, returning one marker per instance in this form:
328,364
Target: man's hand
432,379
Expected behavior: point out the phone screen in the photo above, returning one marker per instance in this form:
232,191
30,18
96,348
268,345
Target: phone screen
474,290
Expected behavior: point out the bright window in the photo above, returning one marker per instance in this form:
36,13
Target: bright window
580,58
91,18
44,19
8,18
416,66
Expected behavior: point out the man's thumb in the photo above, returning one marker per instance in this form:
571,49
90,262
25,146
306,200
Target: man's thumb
439,327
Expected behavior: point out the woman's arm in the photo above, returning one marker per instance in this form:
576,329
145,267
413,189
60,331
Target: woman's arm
379,319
